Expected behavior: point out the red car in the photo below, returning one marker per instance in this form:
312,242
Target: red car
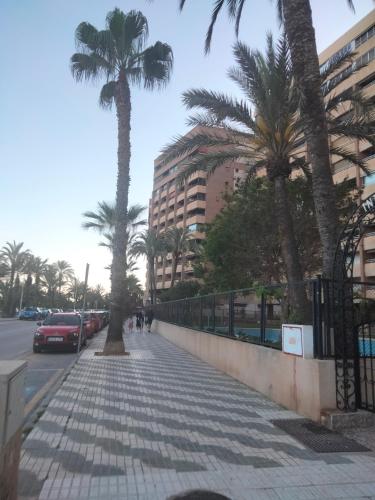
90,325
59,331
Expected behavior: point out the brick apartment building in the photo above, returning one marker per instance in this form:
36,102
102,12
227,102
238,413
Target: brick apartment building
190,206
360,40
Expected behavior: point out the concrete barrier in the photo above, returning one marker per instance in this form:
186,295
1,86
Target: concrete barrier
12,382
307,386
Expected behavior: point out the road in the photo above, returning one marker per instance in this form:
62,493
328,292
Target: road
43,369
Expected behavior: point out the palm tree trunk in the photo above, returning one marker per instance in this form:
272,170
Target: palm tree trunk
151,267
289,251
301,37
114,342
174,269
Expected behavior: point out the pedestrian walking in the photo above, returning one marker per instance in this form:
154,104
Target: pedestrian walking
149,319
138,323
130,324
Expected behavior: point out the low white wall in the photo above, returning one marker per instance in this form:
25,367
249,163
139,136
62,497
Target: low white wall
306,386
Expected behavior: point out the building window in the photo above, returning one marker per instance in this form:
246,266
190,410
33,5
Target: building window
196,211
195,227
365,36
366,58
369,81
369,180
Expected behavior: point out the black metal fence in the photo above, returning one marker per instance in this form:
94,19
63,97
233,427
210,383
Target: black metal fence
249,315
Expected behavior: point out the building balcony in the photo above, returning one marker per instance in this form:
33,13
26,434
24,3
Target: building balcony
370,268
369,186
163,206
162,219
192,205
196,189
195,219
171,202
180,197
180,211
369,242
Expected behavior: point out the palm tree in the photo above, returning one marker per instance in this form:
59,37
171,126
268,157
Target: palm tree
14,258
297,20
118,54
177,240
64,273
50,281
103,221
151,245
267,141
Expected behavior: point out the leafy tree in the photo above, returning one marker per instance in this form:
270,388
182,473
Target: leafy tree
182,290
242,246
178,242
150,245
297,20
118,54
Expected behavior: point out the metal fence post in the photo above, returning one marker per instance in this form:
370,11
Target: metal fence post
213,311
263,305
201,313
317,317
231,314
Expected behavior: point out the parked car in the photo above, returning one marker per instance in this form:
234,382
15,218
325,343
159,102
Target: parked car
60,331
90,324
33,313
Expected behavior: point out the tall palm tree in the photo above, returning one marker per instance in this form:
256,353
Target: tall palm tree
118,54
64,273
50,281
297,20
177,240
150,245
14,258
267,140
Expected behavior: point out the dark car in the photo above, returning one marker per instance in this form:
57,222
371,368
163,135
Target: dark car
60,331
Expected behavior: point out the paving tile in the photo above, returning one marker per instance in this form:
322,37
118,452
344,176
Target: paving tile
161,421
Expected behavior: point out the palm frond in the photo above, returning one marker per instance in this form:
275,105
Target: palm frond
86,36
354,128
157,64
350,157
220,106
188,144
107,95
88,66
216,10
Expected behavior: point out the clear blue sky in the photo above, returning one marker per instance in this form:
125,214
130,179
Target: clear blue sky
58,148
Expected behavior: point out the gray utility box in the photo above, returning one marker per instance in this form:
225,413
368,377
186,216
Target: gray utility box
12,387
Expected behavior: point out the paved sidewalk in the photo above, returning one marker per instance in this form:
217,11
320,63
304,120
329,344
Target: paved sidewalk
161,421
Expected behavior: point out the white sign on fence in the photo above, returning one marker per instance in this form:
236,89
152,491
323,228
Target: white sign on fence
298,340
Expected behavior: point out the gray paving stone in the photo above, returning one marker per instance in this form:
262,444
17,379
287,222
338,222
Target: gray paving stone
161,421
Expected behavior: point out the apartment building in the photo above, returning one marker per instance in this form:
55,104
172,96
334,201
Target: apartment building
360,40
190,206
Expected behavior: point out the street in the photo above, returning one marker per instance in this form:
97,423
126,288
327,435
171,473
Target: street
42,369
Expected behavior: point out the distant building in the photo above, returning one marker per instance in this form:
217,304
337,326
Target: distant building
190,206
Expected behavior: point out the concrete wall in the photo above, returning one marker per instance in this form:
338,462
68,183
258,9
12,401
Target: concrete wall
306,386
